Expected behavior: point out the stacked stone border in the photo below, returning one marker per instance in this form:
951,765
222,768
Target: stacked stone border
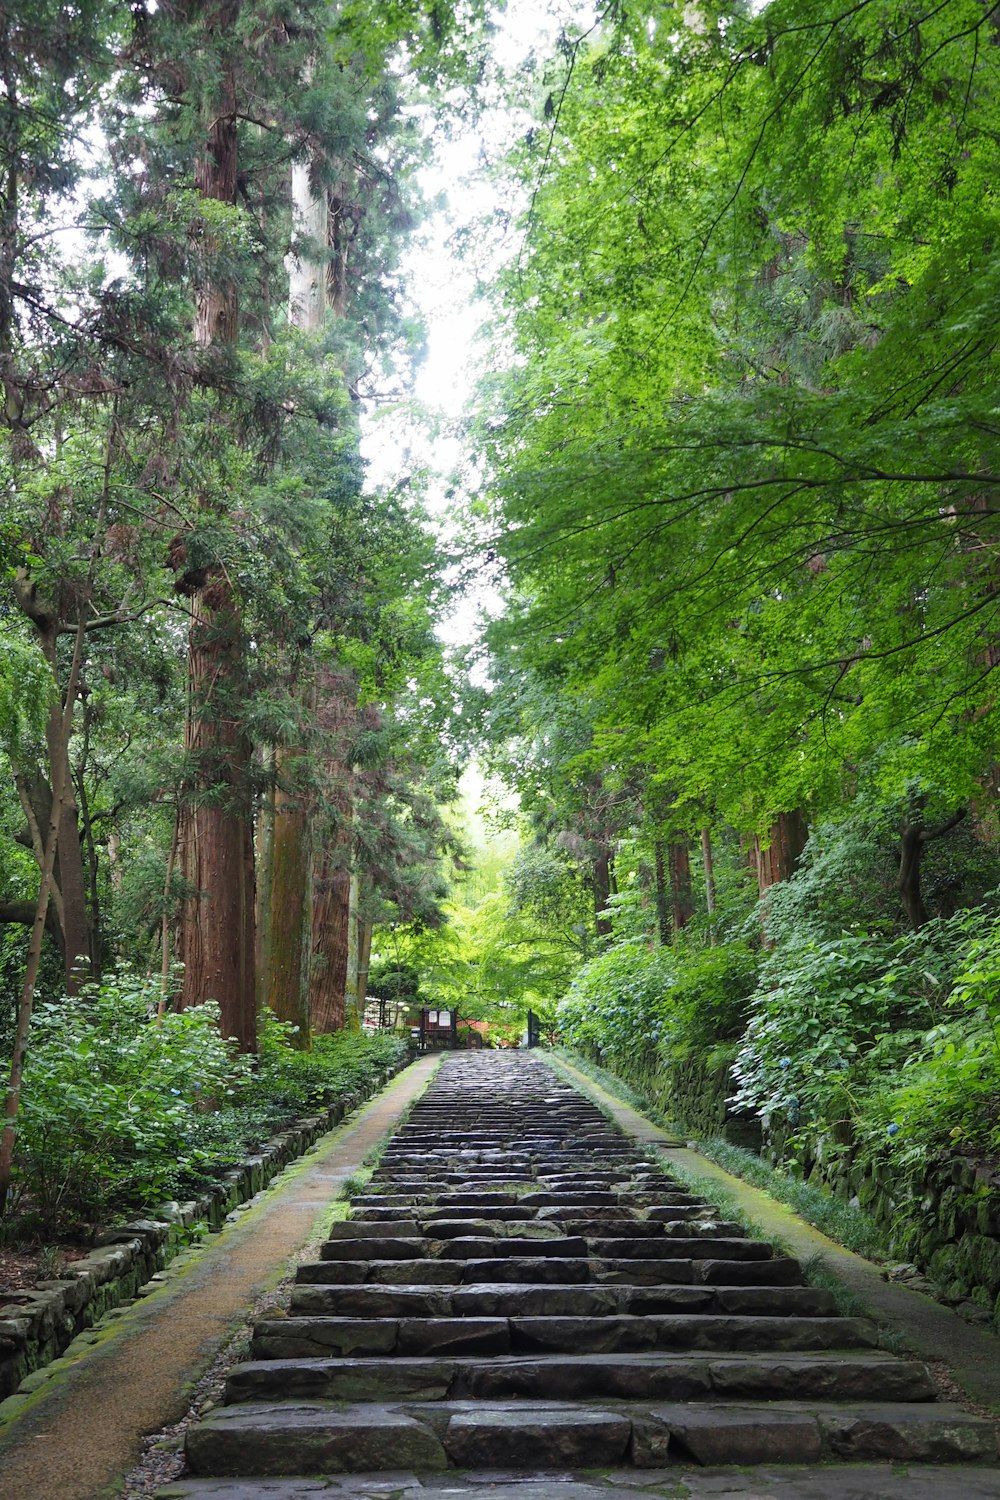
39,1324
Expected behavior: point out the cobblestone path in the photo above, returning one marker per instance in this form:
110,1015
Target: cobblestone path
522,1305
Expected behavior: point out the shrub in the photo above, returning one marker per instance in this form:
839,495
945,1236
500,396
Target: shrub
119,1111
835,1025
635,1009
108,1098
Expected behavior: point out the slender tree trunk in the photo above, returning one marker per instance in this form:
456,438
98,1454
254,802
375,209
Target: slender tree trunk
708,866
335,713
662,893
364,960
914,836
352,1010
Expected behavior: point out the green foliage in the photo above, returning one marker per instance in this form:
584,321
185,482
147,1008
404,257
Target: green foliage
947,1093
832,1022
120,1110
289,1082
394,982
634,1009
109,1098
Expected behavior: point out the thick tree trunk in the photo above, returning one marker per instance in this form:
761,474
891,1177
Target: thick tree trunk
681,893
217,938
217,931
601,882
289,904
288,899
331,914
778,858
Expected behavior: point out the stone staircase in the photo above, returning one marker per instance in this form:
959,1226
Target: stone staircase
520,1290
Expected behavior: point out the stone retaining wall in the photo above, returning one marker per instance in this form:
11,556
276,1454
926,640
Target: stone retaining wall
38,1324
943,1215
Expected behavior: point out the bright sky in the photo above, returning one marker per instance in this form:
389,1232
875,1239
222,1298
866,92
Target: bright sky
442,285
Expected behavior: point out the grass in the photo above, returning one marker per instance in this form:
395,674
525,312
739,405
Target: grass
834,1217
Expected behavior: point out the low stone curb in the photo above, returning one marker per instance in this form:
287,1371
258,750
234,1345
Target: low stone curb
42,1323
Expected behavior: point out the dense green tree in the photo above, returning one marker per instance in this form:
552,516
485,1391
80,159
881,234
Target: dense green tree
742,461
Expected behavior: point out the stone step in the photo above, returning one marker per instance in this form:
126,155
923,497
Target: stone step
518,1293
831,1481
644,1377
310,1332
553,1271
312,1295
312,1437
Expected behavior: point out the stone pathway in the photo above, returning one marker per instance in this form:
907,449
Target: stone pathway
520,1296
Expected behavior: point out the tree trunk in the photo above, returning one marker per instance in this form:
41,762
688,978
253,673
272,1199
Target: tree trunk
681,894
217,929
708,865
911,848
914,836
335,714
778,858
331,909
289,905
217,938
288,900
364,960
662,894
601,881
352,1011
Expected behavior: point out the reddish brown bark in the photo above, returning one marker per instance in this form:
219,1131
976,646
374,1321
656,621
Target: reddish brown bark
681,893
777,858
217,928
217,931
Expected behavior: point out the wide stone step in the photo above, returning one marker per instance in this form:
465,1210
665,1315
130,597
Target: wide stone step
534,1269
312,1295
315,1334
519,1294
841,1377
313,1437
832,1481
